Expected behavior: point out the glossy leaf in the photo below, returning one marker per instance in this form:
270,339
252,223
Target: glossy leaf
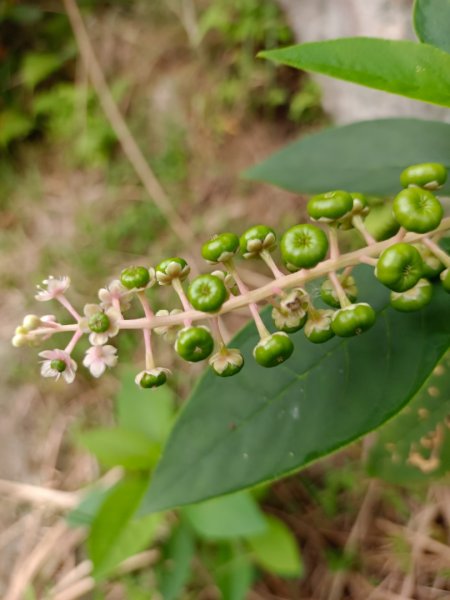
276,549
401,67
431,22
116,446
115,533
236,515
365,157
415,446
263,424
174,572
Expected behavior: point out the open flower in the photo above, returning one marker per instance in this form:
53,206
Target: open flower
52,288
97,358
57,363
102,324
115,291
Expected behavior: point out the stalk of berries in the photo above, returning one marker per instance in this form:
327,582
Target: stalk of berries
405,263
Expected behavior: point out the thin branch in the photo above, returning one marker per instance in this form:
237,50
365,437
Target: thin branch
121,129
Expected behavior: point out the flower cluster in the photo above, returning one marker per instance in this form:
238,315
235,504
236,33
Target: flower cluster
405,263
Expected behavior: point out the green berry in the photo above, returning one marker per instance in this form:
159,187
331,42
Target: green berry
399,267
152,379
194,343
328,293
427,175
318,326
330,206
303,246
413,299
170,269
360,204
432,266
220,248
99,323
417,210
58,365
381,223
227,362
273,350
353,319
135,277
207,293
445,278
256,239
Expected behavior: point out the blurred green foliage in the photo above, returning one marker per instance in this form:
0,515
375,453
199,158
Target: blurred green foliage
231,33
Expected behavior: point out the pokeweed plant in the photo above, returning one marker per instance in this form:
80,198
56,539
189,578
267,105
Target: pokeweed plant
331,384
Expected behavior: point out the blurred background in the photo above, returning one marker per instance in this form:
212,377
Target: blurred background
123,134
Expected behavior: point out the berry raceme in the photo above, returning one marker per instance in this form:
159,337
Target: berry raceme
404,262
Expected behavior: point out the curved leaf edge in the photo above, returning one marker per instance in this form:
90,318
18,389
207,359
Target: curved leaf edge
282,474
251,173
271,55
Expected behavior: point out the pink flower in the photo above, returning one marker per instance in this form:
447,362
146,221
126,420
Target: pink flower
57,363
97,358
114,291
52,288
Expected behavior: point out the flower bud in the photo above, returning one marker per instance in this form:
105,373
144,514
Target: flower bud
31,322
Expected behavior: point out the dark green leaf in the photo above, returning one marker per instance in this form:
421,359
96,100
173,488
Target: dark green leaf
432,22
367,157
236,515
401,67
276,550
263,424
174,573
116,446
415,446
151,413
115,533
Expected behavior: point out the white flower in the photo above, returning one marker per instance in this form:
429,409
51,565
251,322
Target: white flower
57,363
52,288
98,338
97,358
114,291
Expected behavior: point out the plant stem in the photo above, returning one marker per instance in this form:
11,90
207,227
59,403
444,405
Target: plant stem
68,306
267,258
263,293
262,329
73,342
334,255
437,251
149,360
358,223
176,284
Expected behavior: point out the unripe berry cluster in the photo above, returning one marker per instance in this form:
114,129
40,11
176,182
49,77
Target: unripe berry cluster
404,267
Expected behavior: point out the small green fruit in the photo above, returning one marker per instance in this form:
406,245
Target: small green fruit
303,247
273,350
427,175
